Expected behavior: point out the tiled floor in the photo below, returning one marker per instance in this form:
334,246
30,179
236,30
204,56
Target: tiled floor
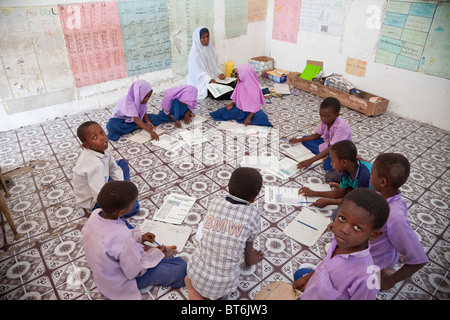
48,261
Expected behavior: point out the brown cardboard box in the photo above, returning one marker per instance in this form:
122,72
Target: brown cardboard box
360,104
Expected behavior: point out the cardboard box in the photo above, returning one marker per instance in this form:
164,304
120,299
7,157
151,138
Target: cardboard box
276,75
262,64
360,104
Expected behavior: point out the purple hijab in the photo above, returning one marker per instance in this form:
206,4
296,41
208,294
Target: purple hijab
185,94
247,95
130,105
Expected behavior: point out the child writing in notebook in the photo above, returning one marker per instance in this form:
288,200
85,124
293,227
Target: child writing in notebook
177,104
331,129
231,226
347,271
354,174
131,112
120,263
95,166
247,99
389,172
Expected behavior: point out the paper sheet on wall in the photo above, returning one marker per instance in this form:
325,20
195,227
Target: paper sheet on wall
167,234
286,20
184,17
146,36
174,209
257,10
94,41
415,36
326,16
34,69
236,18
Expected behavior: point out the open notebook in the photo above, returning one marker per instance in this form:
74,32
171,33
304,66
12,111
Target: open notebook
307,227
300,153
143,136
167,234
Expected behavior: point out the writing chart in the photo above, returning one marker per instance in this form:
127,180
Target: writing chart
184,17
34,71
325,16
257,10
94,41
416,36
286,20
145,35
236,18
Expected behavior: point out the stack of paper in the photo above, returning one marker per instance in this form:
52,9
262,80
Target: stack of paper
283,195
175,208
282,88
143,136
307,227
286,168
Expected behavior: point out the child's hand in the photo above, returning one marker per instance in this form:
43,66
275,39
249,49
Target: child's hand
320,203
304,164
171,249
154,135
306,192
187,117
150,237
230,106
222,76
149,124
300,284
247,122
295,140
255,257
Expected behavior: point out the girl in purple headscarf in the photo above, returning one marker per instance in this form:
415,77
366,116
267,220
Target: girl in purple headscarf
131,112
247,99
177,105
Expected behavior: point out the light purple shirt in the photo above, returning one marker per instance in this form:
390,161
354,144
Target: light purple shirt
342,277
116,256
339,131
398,237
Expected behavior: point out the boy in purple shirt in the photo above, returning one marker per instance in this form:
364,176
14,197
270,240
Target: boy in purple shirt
120,263
389,172
330,130
347,272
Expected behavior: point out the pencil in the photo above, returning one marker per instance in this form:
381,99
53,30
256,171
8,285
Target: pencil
307,225
164,249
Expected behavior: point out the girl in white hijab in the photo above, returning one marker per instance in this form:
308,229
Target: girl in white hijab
203,65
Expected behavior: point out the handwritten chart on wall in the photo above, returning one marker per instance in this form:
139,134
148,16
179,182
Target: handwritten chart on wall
416,36
94,40
286,20
236,18
34,71
184,17
325,16
146,36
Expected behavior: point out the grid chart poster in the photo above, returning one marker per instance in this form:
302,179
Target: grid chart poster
236,18
34,68
94,41
415,36
145,35
286,19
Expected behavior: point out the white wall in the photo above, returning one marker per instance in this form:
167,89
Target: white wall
411,94
239,50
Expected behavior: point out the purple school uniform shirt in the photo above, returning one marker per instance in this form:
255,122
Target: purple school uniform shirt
343,277
116,256
398,237
339,131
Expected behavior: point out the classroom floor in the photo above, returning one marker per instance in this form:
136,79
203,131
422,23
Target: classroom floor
48,262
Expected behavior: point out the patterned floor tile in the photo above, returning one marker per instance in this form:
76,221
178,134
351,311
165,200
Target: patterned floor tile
48,261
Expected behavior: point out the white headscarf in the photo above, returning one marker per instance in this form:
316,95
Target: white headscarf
203,64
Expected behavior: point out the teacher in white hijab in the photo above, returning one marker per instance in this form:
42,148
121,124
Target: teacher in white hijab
203,65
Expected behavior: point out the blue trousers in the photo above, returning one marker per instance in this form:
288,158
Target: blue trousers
123,164
301,272
177,110
169,272
313,146
260,118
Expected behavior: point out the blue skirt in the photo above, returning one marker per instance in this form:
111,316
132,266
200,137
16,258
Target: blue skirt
118,127
260,118
177,110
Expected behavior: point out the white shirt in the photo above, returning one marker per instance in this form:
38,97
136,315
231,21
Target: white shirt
90,174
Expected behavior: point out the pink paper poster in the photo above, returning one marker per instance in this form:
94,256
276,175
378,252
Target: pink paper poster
286,18
94,41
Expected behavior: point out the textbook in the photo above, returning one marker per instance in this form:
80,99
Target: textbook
300,153
167,234
175,208
307,227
